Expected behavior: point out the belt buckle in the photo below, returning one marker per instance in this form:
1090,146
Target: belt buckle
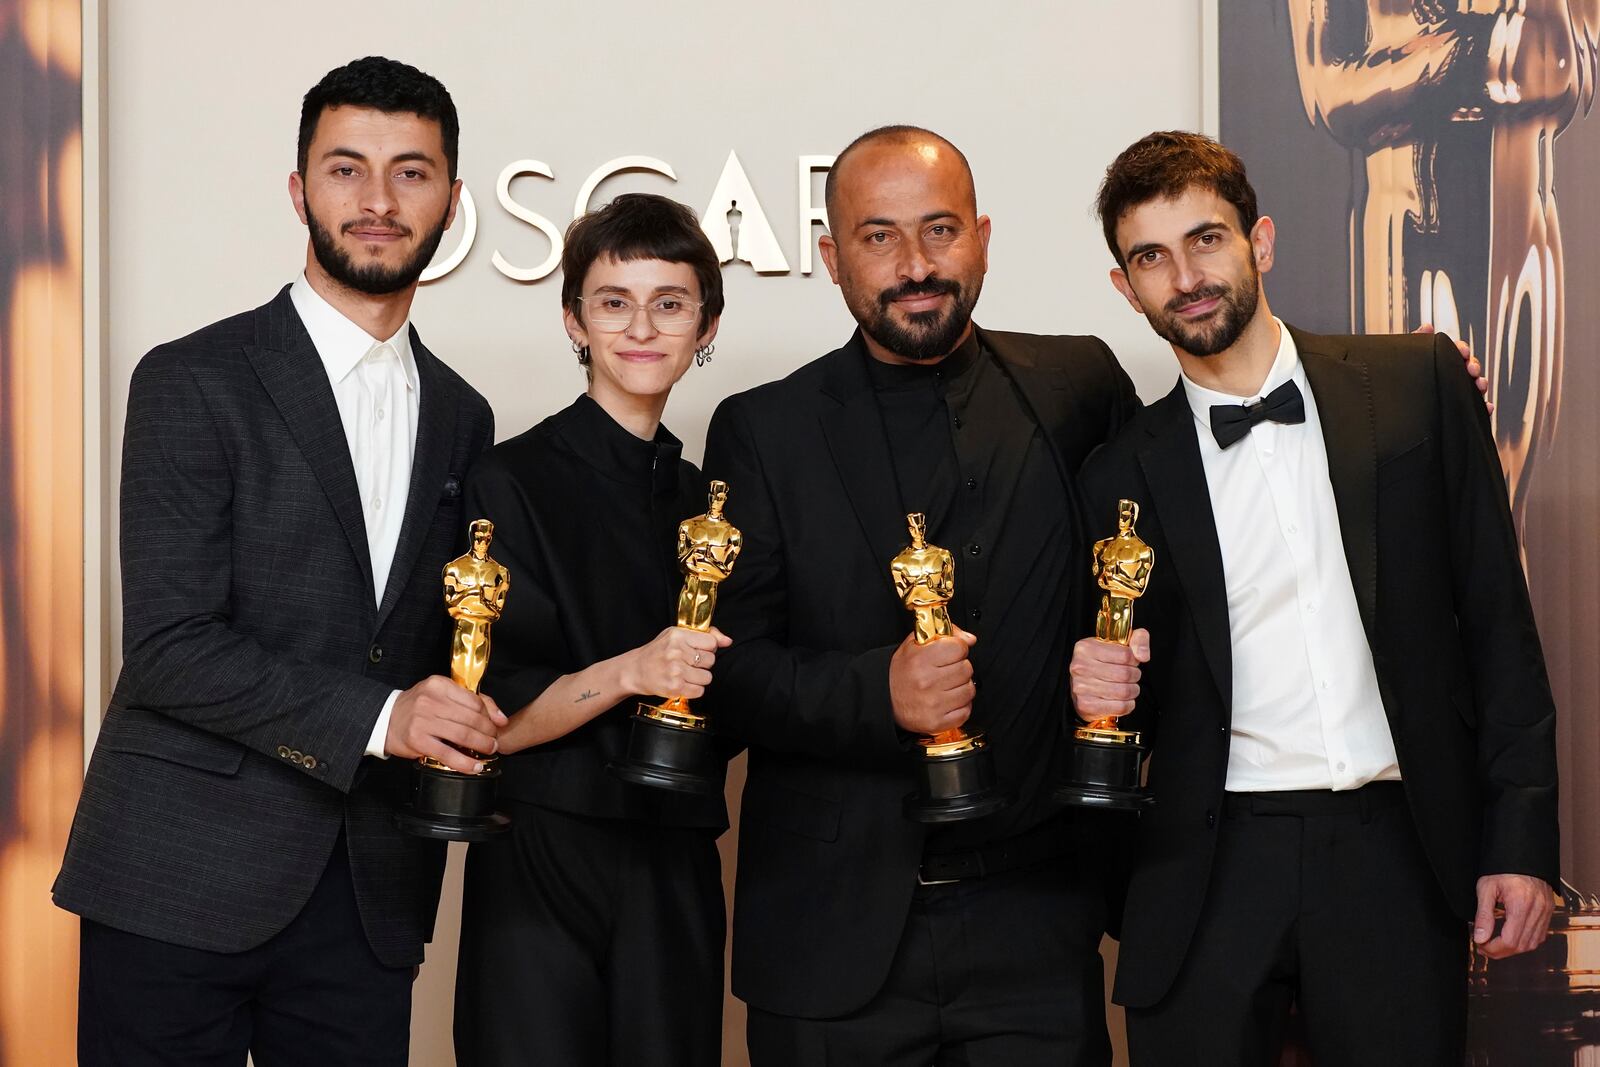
978,871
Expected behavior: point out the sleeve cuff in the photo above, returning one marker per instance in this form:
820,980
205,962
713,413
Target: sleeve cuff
380,729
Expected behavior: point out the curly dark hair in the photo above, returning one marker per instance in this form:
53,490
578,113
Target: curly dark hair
1161,166
385,85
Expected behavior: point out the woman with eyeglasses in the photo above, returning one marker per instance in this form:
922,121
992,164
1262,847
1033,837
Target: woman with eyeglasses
592,932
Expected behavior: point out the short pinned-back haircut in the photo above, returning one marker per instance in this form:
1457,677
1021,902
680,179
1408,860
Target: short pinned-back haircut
1162,166
385,85
899,134
638,226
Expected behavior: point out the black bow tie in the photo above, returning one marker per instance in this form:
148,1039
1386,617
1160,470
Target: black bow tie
1231,422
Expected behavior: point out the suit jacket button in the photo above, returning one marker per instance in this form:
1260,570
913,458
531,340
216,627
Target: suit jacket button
311,763
375,653
283,751
1211,819
297,757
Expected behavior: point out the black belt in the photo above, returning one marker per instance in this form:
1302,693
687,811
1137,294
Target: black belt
1374,796
1046,841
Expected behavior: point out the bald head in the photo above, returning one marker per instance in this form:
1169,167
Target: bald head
905,243
913,141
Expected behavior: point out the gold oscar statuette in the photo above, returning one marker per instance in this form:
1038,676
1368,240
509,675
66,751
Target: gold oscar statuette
669,744
956,779
447,804
1103,765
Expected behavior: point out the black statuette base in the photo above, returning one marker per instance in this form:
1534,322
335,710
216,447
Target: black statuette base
955,787
669,757
1101,775
448,806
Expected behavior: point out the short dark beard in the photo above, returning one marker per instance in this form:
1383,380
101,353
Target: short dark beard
373,279
1238,306
930,334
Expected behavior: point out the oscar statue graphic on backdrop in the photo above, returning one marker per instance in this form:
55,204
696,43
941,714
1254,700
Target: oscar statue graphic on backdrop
1103,764
955,769
670,745
1454,110
447,804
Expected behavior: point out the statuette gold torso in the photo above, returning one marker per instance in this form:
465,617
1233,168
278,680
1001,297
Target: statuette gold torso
707,547
475,588
1121,566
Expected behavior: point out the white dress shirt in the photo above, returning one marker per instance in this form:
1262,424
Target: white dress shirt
376,389
1306,708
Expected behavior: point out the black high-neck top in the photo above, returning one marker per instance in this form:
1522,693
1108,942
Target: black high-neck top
968,453
586,517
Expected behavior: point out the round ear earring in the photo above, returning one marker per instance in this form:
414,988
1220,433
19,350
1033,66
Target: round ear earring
583,352
702,356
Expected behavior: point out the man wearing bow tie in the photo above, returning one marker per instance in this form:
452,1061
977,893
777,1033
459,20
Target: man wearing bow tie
1336,658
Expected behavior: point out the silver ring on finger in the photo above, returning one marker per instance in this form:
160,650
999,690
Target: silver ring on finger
696,661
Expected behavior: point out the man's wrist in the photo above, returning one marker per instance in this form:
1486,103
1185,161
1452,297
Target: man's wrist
377,744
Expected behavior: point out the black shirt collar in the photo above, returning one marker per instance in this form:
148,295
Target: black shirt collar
606,445
904,375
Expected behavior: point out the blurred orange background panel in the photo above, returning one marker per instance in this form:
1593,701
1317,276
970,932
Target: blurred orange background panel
41,517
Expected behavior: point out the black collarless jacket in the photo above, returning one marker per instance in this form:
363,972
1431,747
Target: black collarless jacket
827,860
1433,559
255,661
586,520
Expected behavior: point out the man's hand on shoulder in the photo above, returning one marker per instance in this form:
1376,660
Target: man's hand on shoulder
1469,363
1528,903
931,685
438,718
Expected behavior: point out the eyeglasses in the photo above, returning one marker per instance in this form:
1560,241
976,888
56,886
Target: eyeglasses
668,314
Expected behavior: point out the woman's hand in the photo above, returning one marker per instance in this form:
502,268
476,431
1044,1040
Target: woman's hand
676,664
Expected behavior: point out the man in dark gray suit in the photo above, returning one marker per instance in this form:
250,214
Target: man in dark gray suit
290,489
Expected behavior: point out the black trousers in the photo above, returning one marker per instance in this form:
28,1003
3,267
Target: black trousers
1002,971
591,942
313,993
1325,901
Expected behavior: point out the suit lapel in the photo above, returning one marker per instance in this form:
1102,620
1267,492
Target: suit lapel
860,451
291,371
1343,392
1046,392
1172,468
430,465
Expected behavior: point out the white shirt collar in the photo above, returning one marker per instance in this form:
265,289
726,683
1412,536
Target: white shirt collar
341,343
1285,367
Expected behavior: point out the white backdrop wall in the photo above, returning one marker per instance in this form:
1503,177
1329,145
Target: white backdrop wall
203,102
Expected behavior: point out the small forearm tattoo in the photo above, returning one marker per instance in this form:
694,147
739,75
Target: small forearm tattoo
587,693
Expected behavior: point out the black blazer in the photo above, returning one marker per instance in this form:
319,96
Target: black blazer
255,661
1433,557
827,861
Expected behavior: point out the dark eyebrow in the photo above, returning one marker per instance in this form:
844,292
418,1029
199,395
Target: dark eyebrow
404,157
933,216
1194,231
414,156
625,291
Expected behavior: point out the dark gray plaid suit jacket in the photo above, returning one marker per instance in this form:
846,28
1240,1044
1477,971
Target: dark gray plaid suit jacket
255,661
